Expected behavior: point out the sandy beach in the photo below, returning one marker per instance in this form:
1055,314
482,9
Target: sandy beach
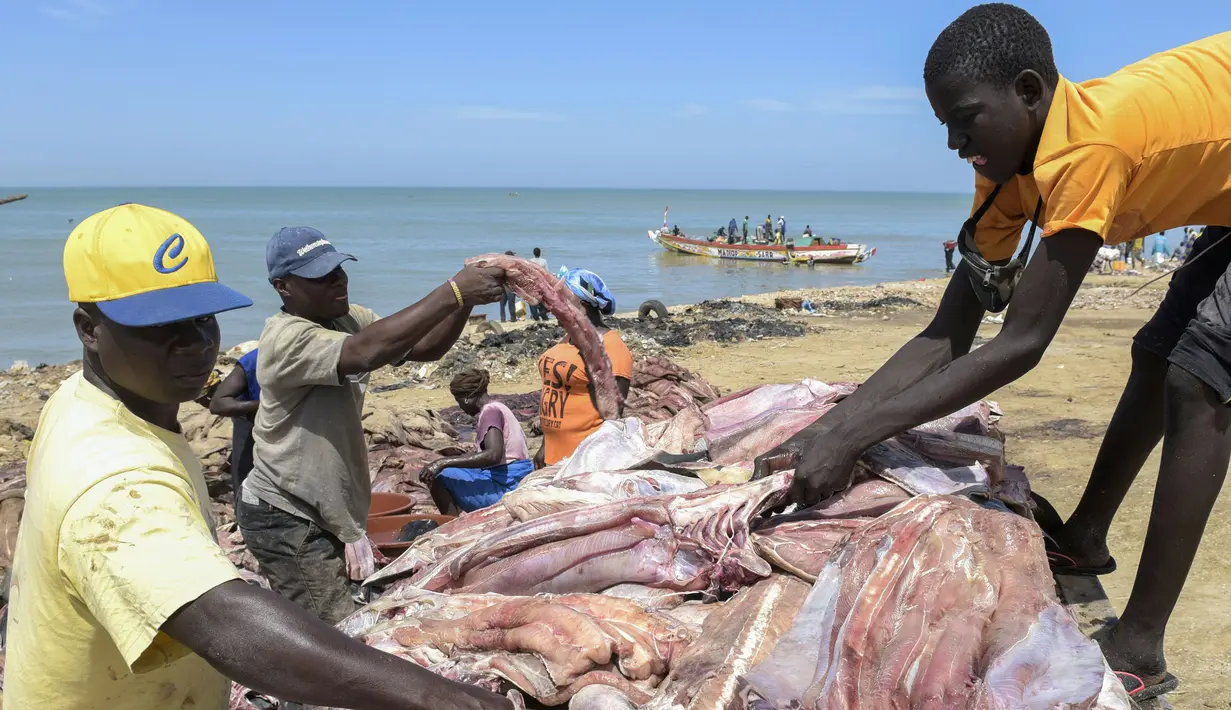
1054,419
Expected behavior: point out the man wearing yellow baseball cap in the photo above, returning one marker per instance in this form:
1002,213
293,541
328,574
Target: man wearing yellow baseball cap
121,597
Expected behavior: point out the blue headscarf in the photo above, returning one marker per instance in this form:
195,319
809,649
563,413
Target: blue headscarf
591,290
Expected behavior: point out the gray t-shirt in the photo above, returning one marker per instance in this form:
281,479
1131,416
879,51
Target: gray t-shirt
309,457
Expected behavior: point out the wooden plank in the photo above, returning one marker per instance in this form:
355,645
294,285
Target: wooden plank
1087,601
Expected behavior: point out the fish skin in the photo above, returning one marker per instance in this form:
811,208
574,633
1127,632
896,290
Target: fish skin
538,286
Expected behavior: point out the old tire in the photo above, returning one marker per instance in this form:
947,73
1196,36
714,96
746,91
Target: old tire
488,326
652,306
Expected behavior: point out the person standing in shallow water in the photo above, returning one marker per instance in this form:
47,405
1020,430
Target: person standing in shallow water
1103,162
472,481
568,410
121,597
950,246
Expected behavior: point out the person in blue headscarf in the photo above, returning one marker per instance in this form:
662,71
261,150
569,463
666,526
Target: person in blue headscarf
568,412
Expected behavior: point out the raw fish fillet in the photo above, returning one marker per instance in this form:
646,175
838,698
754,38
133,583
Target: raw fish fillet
537,286
939,603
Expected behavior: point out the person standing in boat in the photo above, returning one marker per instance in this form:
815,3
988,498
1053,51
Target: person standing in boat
769,228
568,412
808,235
781,229
745,229
731,231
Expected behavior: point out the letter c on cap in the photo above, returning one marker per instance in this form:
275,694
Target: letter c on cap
170,248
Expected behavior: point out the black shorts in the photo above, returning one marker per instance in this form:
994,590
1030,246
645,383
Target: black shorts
1192,326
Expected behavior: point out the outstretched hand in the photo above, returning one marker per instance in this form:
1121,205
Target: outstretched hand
480,284
822,461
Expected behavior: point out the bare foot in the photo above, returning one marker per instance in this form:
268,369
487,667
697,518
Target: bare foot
1085,549
1133,653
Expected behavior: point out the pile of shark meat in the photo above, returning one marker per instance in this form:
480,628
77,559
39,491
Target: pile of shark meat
648,570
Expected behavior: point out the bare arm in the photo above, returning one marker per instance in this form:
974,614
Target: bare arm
391,339
269,644
947,337
226,402
491,454
622,384
441,338
1042,299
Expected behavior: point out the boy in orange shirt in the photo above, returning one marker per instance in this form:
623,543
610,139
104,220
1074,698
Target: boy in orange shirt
1106,161
567,410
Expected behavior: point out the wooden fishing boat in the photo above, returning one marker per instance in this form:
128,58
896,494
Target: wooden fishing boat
816,253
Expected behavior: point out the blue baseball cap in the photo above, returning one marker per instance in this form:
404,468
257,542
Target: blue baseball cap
302,251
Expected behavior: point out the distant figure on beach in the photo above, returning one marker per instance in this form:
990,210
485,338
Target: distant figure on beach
745,229
461,484
509,300
239,396
949,247
539,312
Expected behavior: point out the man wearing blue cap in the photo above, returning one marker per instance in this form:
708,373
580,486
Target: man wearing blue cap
121,597
309,491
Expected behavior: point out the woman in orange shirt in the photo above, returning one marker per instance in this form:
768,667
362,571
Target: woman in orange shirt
567,411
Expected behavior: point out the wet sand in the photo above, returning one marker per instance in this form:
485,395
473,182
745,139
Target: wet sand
1054,420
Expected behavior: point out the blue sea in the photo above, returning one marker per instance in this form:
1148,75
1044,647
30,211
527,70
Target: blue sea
408,240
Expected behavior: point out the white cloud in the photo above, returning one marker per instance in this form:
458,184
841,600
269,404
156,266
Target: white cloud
689,110
768,105
494,113
874,100
77,10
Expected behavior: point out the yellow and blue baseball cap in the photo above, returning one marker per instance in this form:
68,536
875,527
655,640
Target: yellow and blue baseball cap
144,267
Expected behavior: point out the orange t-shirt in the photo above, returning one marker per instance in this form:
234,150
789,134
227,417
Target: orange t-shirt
566,412
1143,150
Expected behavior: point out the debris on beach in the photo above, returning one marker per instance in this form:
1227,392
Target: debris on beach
514,354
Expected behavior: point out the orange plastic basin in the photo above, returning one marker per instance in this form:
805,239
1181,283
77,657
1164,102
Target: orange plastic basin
388,504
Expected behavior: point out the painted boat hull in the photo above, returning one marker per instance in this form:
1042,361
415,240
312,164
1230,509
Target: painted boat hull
834,254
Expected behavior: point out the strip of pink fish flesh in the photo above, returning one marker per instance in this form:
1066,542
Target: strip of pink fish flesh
536,286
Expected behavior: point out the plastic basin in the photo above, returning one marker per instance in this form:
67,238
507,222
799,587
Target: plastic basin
382,530
388,504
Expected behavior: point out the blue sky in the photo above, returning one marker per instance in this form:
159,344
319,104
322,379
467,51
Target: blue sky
719,94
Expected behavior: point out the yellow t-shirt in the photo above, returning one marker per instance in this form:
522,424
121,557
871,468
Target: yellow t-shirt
566,412
1143,150
117,536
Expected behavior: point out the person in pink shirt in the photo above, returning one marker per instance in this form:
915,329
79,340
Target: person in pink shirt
477,480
